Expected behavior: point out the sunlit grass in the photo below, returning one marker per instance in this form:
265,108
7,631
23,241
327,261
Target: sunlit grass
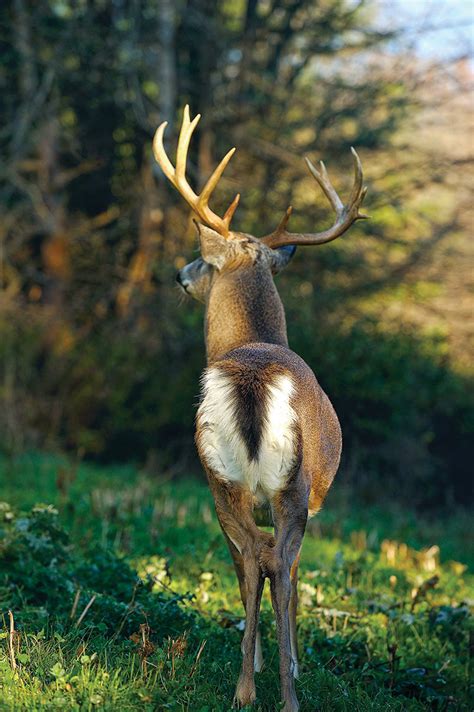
384,598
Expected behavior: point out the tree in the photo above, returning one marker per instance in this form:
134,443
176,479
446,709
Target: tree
91,235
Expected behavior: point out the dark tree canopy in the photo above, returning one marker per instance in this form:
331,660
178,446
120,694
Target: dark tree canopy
98,354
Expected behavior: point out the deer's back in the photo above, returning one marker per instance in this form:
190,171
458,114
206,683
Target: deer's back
262,414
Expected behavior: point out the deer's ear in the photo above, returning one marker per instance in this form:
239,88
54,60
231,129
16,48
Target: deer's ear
281,256
214,248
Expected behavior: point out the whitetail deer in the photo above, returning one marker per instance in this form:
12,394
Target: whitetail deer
265,430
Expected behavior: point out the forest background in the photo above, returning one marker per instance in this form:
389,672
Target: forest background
99,355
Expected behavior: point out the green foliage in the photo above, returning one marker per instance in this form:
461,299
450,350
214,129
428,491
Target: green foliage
383,625
404,411
403,408
44,578
98,355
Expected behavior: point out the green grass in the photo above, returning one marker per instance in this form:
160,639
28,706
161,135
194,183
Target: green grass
383,621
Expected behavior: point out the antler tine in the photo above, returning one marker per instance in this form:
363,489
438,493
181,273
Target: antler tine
358,178
208,189
229,213
346,214
160,153
325,184
187,130
177,176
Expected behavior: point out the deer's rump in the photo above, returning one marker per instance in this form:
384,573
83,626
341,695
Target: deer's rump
247,426
262,414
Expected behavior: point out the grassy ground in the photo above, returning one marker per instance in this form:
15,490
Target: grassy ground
123,598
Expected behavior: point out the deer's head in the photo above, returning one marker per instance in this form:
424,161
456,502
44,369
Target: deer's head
224,250
221,254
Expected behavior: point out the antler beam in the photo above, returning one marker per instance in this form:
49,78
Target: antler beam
177,176
346,215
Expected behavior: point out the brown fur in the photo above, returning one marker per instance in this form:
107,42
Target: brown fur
320,431
250,381
243,308
245,333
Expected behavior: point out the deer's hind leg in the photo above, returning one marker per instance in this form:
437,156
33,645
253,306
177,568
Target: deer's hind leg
234,508
240,571
290,513
292,611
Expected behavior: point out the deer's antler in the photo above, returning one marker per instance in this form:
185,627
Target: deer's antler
345,214
177,176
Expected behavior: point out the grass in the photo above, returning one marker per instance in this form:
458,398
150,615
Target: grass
123,597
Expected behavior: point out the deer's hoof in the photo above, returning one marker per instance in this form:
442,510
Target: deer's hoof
244,694
291,705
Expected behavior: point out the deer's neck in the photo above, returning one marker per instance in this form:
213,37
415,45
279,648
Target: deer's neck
243,307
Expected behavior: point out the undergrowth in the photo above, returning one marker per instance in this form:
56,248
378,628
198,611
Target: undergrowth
119,594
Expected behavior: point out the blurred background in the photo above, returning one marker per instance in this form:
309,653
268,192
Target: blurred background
100,355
